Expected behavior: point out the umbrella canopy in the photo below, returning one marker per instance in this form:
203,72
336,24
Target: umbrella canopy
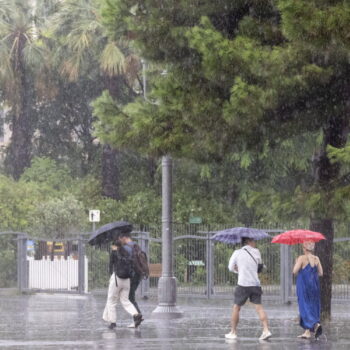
234,235
298,236
109,232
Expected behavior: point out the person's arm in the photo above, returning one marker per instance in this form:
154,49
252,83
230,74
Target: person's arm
298,265
232,265
319,267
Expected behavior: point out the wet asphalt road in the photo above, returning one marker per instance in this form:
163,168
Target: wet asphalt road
59,321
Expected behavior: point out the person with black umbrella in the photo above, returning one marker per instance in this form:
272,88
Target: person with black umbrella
130,246
119,286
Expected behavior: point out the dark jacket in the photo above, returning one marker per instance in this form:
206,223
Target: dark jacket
113,258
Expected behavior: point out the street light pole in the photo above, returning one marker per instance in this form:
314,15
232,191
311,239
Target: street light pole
167,308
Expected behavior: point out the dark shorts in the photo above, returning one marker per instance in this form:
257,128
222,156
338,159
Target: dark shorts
242,294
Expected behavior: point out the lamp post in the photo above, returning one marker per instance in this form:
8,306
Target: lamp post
166,308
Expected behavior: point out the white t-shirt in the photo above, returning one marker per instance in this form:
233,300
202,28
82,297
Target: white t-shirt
243,264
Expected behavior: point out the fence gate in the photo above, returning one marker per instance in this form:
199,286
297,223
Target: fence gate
52,265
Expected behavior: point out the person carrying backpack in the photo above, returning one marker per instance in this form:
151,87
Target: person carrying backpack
139,267
120,268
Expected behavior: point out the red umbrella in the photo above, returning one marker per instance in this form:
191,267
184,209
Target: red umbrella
298,236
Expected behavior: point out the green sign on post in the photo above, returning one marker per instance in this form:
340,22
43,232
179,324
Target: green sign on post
195,220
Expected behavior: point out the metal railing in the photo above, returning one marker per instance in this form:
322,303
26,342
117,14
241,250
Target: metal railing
200,264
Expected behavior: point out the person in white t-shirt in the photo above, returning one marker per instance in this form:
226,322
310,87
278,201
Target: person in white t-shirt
245,262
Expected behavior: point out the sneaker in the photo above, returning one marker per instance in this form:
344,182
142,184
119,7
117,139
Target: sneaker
265,335
112,325
131,325
137,320
231,335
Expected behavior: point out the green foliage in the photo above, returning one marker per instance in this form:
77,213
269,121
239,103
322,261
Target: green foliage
58,218
99,274
8,263
49,174
19,200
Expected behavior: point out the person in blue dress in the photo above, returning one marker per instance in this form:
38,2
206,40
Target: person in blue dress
308,268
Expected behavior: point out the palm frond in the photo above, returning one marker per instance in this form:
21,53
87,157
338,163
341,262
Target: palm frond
71,67
34,54
112,60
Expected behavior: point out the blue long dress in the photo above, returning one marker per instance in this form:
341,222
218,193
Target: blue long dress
308,292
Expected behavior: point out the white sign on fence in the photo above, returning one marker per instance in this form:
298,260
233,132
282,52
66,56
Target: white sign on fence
94,215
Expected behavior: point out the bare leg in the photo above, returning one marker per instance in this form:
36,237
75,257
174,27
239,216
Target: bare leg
262,315
235,317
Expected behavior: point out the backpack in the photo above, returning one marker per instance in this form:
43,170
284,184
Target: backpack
122,264
140,262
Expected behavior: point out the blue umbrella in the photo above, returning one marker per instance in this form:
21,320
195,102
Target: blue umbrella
234,235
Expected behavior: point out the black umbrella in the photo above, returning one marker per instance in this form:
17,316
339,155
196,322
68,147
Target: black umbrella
109,232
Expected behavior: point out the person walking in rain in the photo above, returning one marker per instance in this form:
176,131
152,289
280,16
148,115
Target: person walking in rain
245,262
308,268
119,286
135,279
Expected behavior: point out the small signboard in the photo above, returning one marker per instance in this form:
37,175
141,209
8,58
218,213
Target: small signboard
94,215
195,220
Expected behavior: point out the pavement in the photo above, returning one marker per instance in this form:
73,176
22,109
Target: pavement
67,321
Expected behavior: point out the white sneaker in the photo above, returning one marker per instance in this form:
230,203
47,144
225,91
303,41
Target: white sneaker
231,335
265,335
131,325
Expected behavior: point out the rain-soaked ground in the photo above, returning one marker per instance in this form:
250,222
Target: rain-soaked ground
59,321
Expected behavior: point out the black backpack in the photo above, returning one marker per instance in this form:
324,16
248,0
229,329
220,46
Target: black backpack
140,261
122,264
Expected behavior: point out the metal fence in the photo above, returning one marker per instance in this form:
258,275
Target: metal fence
33,264
200,264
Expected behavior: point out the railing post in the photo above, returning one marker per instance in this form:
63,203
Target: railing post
282,273
81,265
144,244
209,265
22,270
288,273
286,280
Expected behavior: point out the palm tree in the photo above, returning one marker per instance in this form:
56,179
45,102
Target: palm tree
83,46
21,54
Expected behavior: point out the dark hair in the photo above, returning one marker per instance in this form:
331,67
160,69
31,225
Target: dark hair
117,243
246,240
124,234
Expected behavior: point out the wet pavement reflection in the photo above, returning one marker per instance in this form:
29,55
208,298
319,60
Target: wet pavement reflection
59,321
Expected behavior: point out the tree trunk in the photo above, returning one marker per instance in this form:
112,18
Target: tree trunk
18,155
152,170
110,173
325,176
19,151
324,250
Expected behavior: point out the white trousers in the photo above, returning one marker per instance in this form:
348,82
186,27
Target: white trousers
116,293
